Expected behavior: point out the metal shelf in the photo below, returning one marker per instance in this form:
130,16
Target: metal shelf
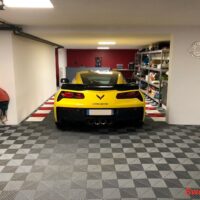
149,83
155,52
155,69
146,93
128,70
162,56
159,58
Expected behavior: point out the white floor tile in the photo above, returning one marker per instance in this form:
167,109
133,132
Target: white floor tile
47,105
152,111
159,119
43,111
35,119
50,101
149,105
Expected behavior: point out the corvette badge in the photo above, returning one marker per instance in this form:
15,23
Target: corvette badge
100,97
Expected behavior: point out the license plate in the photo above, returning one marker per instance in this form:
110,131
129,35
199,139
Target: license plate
99,112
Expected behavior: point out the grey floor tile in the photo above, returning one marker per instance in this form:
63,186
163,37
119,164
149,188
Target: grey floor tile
111,193
13,186
142,183
6,176
162,192
157,161
95,184
110,183
159,183
25,195
11,195
94,194
78,184
98,175
126,183
128,193
145,193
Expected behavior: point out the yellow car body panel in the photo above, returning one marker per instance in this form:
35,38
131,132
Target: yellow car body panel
98,99
91,101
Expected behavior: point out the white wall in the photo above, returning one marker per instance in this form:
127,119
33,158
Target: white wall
7,76
35,76
184,79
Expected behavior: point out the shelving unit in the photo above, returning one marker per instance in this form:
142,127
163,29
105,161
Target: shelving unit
151,67
128,73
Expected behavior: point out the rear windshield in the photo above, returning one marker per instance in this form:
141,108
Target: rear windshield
99,79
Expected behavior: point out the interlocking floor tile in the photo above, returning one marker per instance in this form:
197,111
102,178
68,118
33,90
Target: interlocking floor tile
157,161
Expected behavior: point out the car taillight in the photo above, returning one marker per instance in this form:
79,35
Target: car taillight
130,95
70,95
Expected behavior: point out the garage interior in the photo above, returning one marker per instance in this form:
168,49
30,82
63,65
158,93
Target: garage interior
38,46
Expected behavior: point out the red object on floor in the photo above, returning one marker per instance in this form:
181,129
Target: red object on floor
39,115
155,115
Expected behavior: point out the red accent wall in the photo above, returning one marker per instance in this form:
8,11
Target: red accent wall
110,58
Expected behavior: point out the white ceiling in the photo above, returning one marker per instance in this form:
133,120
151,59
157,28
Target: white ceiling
82,23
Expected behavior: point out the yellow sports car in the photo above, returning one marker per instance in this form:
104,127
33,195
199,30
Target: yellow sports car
99,98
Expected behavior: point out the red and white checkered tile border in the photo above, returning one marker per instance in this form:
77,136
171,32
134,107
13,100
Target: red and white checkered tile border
43,111
154,113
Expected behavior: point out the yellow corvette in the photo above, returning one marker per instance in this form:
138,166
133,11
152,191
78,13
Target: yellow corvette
99,98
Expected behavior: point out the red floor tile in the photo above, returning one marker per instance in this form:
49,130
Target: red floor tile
150,108
45,108
155,115
39,115
49,103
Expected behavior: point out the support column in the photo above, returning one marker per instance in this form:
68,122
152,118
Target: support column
184,78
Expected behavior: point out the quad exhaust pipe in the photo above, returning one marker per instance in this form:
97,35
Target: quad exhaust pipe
99,122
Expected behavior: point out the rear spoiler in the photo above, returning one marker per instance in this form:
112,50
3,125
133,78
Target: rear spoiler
119,87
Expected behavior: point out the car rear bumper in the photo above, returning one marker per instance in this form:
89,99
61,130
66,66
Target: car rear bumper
80,114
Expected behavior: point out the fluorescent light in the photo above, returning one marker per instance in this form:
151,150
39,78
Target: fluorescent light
28,3
103,47
107,43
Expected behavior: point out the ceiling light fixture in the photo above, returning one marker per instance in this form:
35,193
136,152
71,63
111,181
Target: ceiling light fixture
2,6
103,48
28,3
107,43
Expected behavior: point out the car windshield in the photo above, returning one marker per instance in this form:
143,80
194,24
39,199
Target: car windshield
99,79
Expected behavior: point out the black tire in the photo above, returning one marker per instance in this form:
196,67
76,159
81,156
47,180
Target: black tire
138,123
60,125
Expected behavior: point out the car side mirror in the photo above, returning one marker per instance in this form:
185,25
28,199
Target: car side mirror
64,80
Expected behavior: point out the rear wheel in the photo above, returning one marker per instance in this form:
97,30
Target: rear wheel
138,124
139,121
60,125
